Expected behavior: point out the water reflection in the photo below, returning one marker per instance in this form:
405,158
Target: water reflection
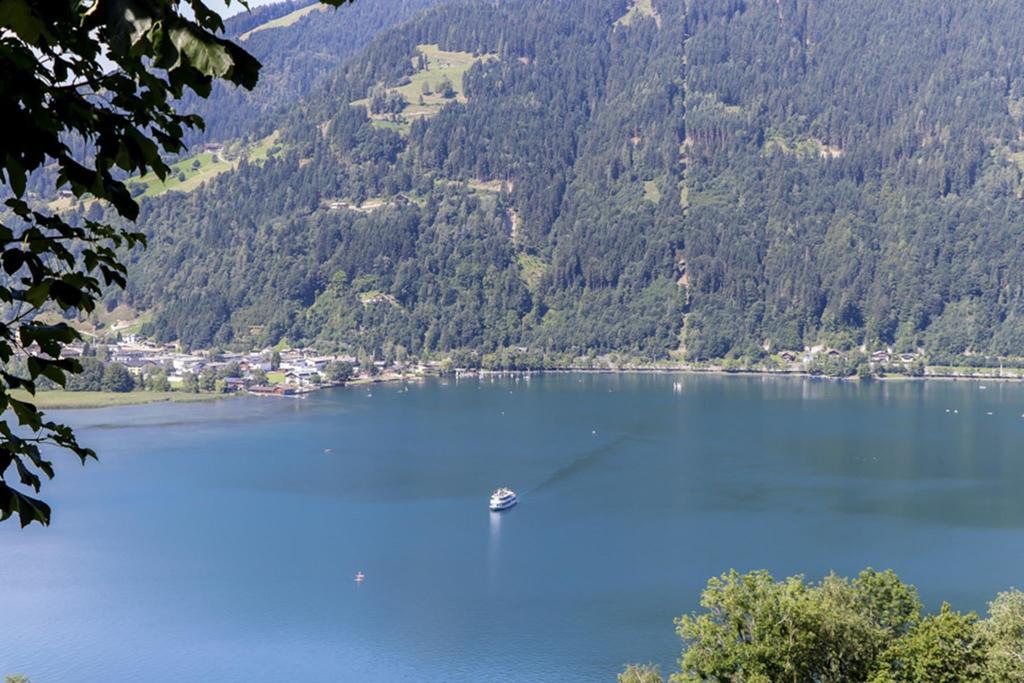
493,549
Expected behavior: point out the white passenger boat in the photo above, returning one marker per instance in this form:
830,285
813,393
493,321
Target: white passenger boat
502,499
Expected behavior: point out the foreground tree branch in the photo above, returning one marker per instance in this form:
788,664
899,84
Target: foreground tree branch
109,73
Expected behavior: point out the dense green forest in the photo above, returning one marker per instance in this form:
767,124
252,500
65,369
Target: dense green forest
758,630
296,58
704,179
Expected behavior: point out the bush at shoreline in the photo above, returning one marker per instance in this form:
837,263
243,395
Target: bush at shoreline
755,629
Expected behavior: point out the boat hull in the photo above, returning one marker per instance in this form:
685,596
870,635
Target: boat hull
498,506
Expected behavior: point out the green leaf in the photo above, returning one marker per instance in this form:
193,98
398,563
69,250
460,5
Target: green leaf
13,259
50,338
19,206
15,382
201,49
26,476
206,17
17,16
38,293
138,17
66,295
15,175
27,413
53,369
45,465
245,70
28,509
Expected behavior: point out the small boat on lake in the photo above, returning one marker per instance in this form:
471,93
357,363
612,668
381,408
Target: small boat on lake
360,576
503,499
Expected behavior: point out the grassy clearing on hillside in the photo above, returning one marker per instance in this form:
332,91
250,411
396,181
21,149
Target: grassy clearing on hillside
188,173
132,325
123,319
801,147
441,65
46,400
531,270
651,191
376,297
286,20
638,9
487,189
210,165
400,126
61,204
495,186
372,204
1007,153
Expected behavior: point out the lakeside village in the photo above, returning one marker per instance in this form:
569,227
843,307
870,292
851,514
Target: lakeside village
135,363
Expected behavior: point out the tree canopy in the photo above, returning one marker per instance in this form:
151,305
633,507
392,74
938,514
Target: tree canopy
754,629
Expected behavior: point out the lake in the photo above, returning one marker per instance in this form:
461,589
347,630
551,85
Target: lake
218,542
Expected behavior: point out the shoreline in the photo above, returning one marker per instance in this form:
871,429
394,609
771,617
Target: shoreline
739,373
59,399
89,400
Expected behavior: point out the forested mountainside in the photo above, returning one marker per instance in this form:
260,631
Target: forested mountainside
708,178
299,44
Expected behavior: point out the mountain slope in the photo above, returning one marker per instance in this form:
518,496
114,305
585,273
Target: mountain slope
709,179
298,48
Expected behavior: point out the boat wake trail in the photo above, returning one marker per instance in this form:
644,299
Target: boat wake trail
584,461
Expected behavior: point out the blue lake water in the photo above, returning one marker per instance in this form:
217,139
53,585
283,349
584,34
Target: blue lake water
218,542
